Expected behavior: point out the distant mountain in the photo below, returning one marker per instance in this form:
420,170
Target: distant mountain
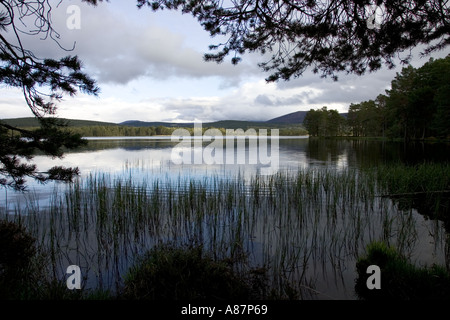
138,123
294,118
290,118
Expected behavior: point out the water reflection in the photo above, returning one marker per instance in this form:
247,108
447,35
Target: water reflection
146,158
150,159
367,153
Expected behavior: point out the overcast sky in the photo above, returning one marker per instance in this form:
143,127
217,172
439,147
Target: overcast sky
149,66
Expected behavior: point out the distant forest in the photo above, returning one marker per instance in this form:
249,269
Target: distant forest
416,107
105,129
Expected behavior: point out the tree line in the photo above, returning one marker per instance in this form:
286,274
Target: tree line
417,106
324,122
115,131
129,131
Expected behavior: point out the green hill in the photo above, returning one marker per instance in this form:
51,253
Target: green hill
293,119
32,122
88,128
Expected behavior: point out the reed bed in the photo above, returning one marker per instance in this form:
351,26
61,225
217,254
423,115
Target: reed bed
306,227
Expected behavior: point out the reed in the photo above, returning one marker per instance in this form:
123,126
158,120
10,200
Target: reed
399,179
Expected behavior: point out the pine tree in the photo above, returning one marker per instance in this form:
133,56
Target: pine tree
43,82
328,36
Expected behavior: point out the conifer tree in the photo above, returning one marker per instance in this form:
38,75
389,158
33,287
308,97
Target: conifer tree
43,82
356,36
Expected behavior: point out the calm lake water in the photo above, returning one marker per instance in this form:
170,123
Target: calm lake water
152,158
147,159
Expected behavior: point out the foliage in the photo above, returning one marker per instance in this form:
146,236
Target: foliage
324,122
33,123
424,187
44,82
365,119
329,36
400,279
114,130
17,149
171,273
423,177
416,106
17,247
22,267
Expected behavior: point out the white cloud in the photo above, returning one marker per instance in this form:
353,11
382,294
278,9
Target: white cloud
236,104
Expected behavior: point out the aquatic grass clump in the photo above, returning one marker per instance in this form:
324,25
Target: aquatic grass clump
167,272
424,187
400,279
24,267
398,179
16,257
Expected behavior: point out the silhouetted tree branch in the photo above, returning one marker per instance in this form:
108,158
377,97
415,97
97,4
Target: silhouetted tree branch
43,83
328,36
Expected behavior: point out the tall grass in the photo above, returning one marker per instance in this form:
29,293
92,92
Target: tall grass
401,279
419,177
305,227
423,187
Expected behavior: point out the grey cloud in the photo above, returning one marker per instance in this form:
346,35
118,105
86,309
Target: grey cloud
264,100
350,88
186,107
117,49
294,100
297,99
